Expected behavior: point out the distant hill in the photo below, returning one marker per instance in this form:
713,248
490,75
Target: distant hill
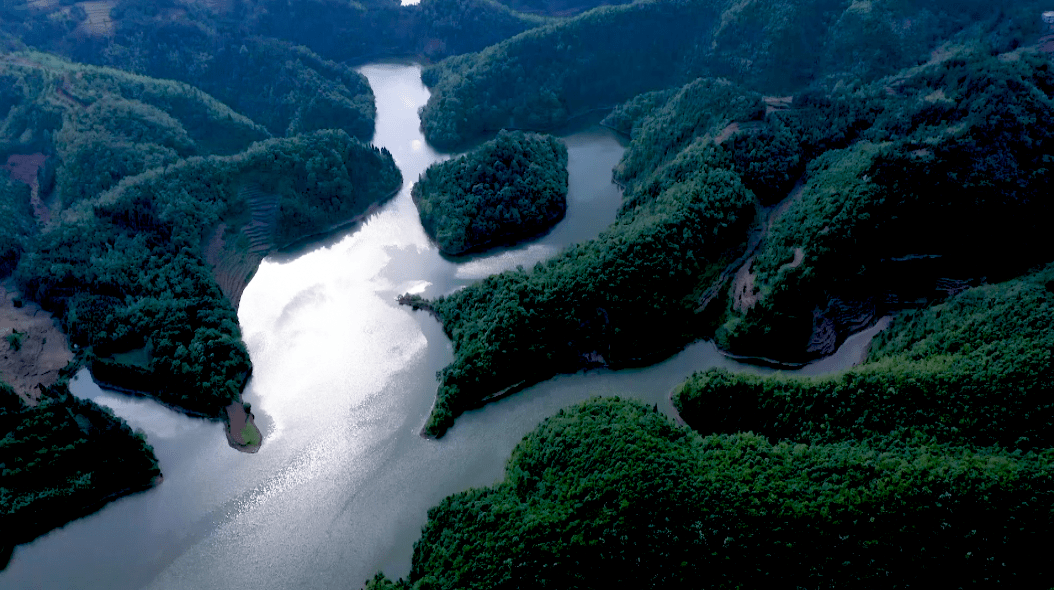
543,77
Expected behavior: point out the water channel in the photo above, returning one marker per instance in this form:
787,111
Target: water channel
343,381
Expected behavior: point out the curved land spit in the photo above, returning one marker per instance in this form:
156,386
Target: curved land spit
234,256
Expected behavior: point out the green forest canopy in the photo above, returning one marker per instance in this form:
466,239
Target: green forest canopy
542,77
64,459
906,105
16,222
137,171
141,175
655,280
612,486
125,270
198,42
952,164
975,369
506,189
928,465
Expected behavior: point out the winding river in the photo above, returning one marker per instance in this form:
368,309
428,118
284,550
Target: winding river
343,381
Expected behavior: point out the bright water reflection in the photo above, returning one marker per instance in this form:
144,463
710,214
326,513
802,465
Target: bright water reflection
343,381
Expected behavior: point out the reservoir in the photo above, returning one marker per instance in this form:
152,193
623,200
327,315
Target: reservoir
343,381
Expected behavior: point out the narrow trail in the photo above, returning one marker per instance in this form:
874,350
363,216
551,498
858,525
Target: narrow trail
743,283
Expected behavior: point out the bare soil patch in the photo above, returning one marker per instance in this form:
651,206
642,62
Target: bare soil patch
799,256
231,265
98,22
736,127
1046,44
726,133
24,168
744,294
242,433
777,103
43,349
233,256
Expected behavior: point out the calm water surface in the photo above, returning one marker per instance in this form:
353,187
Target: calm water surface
343,381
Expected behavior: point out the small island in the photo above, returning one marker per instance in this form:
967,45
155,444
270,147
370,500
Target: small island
507,189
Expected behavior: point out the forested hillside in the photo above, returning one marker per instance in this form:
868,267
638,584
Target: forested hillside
879,161
558,7
794,170
63,459
286,88
16,222
947,178
200,42
116,189
625,298
973,370
259,56
615,487
541,78
125,270
504,190
42,90
134,196
644,287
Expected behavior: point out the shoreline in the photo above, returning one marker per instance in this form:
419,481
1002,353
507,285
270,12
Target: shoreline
240,428
104,384
8,547
373,208
235,414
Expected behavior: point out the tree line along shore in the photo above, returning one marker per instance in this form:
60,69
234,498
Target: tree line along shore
906,172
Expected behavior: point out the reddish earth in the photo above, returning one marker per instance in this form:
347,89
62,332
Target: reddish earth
23,168
44,350
746,127
231,266
97,21
726,133
1046,44
237,419
234,256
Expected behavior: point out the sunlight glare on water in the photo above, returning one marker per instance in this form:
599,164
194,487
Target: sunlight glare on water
343,380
